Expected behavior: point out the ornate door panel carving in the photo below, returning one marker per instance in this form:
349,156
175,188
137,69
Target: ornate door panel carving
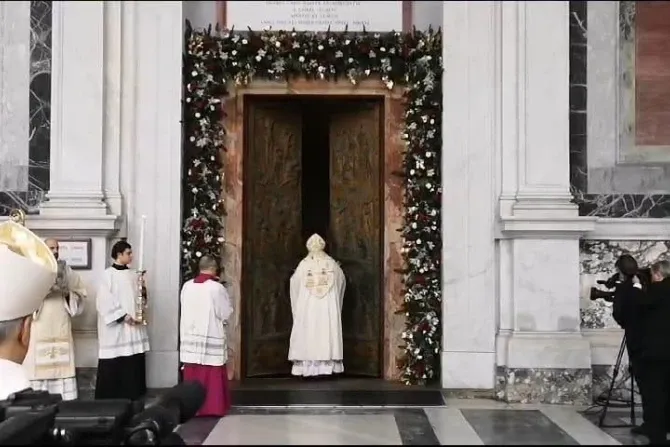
272,223
355,230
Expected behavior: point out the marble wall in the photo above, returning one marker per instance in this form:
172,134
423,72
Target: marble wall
25,91
611,176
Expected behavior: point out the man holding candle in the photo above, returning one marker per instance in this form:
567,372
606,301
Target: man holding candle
122,339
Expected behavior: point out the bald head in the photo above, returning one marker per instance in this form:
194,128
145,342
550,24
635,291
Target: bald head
53,246
208,264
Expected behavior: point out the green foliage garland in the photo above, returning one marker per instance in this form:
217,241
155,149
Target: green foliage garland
212,60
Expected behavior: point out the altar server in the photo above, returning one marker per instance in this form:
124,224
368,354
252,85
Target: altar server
50,359
122,339
205,310
27,272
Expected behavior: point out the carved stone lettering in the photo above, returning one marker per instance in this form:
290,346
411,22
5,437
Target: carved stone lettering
315,15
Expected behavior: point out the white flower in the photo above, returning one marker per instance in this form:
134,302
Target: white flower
194,73
198,254
320,47
245,41
301,59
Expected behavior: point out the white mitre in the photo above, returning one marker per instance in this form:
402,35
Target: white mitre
27,271
319,268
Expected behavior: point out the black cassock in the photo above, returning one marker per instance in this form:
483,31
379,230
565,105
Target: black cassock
121,378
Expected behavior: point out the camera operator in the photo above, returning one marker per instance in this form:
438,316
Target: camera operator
627,312
654,355
27,272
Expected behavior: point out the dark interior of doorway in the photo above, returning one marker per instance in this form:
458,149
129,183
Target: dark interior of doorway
322,123
316,176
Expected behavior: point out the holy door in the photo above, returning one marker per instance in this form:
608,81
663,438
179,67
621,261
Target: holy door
355,238
272,244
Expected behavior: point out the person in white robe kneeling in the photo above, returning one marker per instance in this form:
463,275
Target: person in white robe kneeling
317,291
50,359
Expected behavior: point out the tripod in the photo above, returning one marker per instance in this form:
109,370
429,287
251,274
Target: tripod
608,398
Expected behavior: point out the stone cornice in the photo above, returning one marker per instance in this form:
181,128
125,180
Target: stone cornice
70,226
516,227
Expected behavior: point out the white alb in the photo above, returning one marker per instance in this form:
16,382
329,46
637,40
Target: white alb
317,292
116,298
205,310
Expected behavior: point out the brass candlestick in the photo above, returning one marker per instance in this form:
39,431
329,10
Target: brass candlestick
141,300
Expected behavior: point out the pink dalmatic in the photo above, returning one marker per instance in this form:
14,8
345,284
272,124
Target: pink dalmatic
213,378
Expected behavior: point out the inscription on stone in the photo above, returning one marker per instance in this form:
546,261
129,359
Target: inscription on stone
315,16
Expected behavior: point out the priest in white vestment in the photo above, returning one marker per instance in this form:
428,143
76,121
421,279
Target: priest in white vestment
203,349
317,291
50,359
122,339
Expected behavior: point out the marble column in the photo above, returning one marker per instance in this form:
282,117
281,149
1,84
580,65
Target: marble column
468,201
77,105
541,354
14,95
151,86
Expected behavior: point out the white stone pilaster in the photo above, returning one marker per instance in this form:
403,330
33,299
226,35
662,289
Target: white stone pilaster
114,45
14,95
543,105
539,320
151,166
77,102
468,198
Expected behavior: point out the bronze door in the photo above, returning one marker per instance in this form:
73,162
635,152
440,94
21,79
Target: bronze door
272,242
355,230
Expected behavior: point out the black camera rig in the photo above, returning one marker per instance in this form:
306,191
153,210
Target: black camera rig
36,417
614,281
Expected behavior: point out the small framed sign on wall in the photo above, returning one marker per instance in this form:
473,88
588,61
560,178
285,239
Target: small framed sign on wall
76,253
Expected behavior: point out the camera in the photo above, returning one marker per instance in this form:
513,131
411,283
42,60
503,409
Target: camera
37,417
611,283
644,275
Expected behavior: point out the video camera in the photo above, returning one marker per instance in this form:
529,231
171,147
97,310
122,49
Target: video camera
614,281
37,417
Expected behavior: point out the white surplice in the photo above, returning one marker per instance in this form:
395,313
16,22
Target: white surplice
205,310
50,362
14,378
116,298
317,291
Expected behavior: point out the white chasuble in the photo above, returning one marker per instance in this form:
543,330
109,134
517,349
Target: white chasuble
49,363
317,293
205,310
116,299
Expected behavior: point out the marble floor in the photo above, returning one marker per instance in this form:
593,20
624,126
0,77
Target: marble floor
456,422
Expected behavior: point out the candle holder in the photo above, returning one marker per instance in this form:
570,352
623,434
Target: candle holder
141,299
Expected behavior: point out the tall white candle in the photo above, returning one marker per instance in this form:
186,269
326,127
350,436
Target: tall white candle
143,225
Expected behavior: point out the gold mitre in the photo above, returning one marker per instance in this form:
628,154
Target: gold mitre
27,270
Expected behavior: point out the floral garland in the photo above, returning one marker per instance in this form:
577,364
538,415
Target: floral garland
414,60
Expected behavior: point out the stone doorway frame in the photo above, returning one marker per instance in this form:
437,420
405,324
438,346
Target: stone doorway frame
392,293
